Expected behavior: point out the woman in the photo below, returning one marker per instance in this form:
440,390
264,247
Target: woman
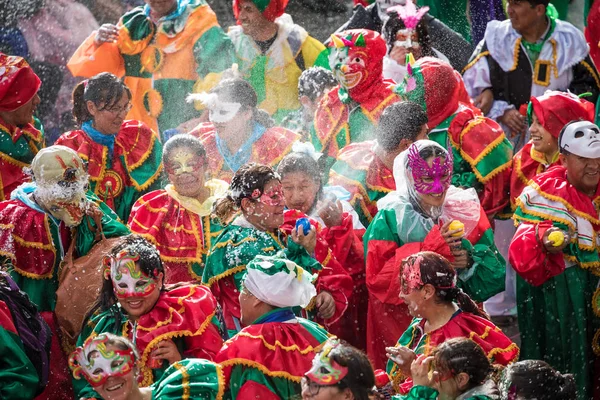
123,157
339,371
256,193
165,323
417,217
108,363
458,369
534,379
339,233
238,132
442,311
177,219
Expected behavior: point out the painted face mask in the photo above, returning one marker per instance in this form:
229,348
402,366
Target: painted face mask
325,371
411,275
407,38
434,179
218,111
71,212
184,162
96,363
272,197
128,280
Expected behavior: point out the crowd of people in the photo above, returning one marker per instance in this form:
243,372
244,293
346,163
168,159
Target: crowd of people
409,210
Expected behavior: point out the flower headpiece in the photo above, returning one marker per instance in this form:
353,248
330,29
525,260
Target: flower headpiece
409,14
325,371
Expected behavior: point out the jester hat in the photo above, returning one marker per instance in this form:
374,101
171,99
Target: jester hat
435,85
270,9
18,82
556,109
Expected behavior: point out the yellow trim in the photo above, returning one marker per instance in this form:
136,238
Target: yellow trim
596,343
592,72
185,380
221,380
497,350
516,55
479,56
544,216
569,207
536,72
230,243
10,160
596,302
253,364
225,274
277,344
171,311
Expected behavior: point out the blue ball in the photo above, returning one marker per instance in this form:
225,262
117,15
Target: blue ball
304,223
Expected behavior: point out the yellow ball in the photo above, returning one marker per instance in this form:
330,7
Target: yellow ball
454,225
557,238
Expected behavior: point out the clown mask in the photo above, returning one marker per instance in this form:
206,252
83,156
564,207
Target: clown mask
96,363
127,278
349,67
431,179
325,370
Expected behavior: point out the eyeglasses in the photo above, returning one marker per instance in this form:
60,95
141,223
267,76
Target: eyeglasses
311,388
119,110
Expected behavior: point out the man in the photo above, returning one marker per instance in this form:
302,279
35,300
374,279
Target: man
271,52
165,49
19,139
268,358
524,56
555,253
365,168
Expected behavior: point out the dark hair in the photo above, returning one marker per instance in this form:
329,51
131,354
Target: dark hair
395,24
304,163
537,379
535,3
183,140
246,180
239,91
149,263
360,378
439,273
401,120
103,89
461,354
315,81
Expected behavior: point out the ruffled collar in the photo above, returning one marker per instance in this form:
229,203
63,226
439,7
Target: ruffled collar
217,188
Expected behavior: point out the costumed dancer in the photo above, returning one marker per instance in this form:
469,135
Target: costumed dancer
177,219
482,154
238,132
109,364
442,311
268,358
256,203
555,253
123,157
350,112
166,324
531,379
365,169
164,50
271,53
20,139
37,227
425,213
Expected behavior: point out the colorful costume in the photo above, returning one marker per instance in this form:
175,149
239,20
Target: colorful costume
184,314
350,112
498,348
162,62
265,146
516,70
360,171
180,227
191,378
482,154
121,167
557,296
273,70
487,391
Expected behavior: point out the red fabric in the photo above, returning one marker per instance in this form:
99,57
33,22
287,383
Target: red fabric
592,32
254,390
6,320
274,9
556,109
18,82
227,295
528,257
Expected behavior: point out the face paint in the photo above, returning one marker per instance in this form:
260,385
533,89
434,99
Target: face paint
411,275
273,197
96,363
407,38
184,162
223,111
325,370
70,212
348,66
430,180
128,280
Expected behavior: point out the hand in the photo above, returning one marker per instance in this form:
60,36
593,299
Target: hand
403,357
325,304
398,54
308,241
484,101
420,371
461,259
331,212
166,350
514,121
107,33
548,244
454,242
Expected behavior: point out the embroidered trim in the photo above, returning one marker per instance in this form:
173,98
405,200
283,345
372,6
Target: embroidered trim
516,54
592,72
225,274
277,344
171,311
472,63
536,72
185,380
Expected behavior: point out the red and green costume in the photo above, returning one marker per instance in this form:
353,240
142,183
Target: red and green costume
162,64
498,348
487,391
557,294
482,153
185,314
268,359
270,148
191,378
389,240
360,171
119,177
180,227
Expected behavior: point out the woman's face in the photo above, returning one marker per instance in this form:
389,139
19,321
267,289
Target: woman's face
186,171
406,41
136,291
109,120
162,7
542,140
300,191
118,375
432,182
268,208
229,121
414,301
447,385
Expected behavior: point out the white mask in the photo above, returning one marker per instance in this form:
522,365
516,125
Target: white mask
218,111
